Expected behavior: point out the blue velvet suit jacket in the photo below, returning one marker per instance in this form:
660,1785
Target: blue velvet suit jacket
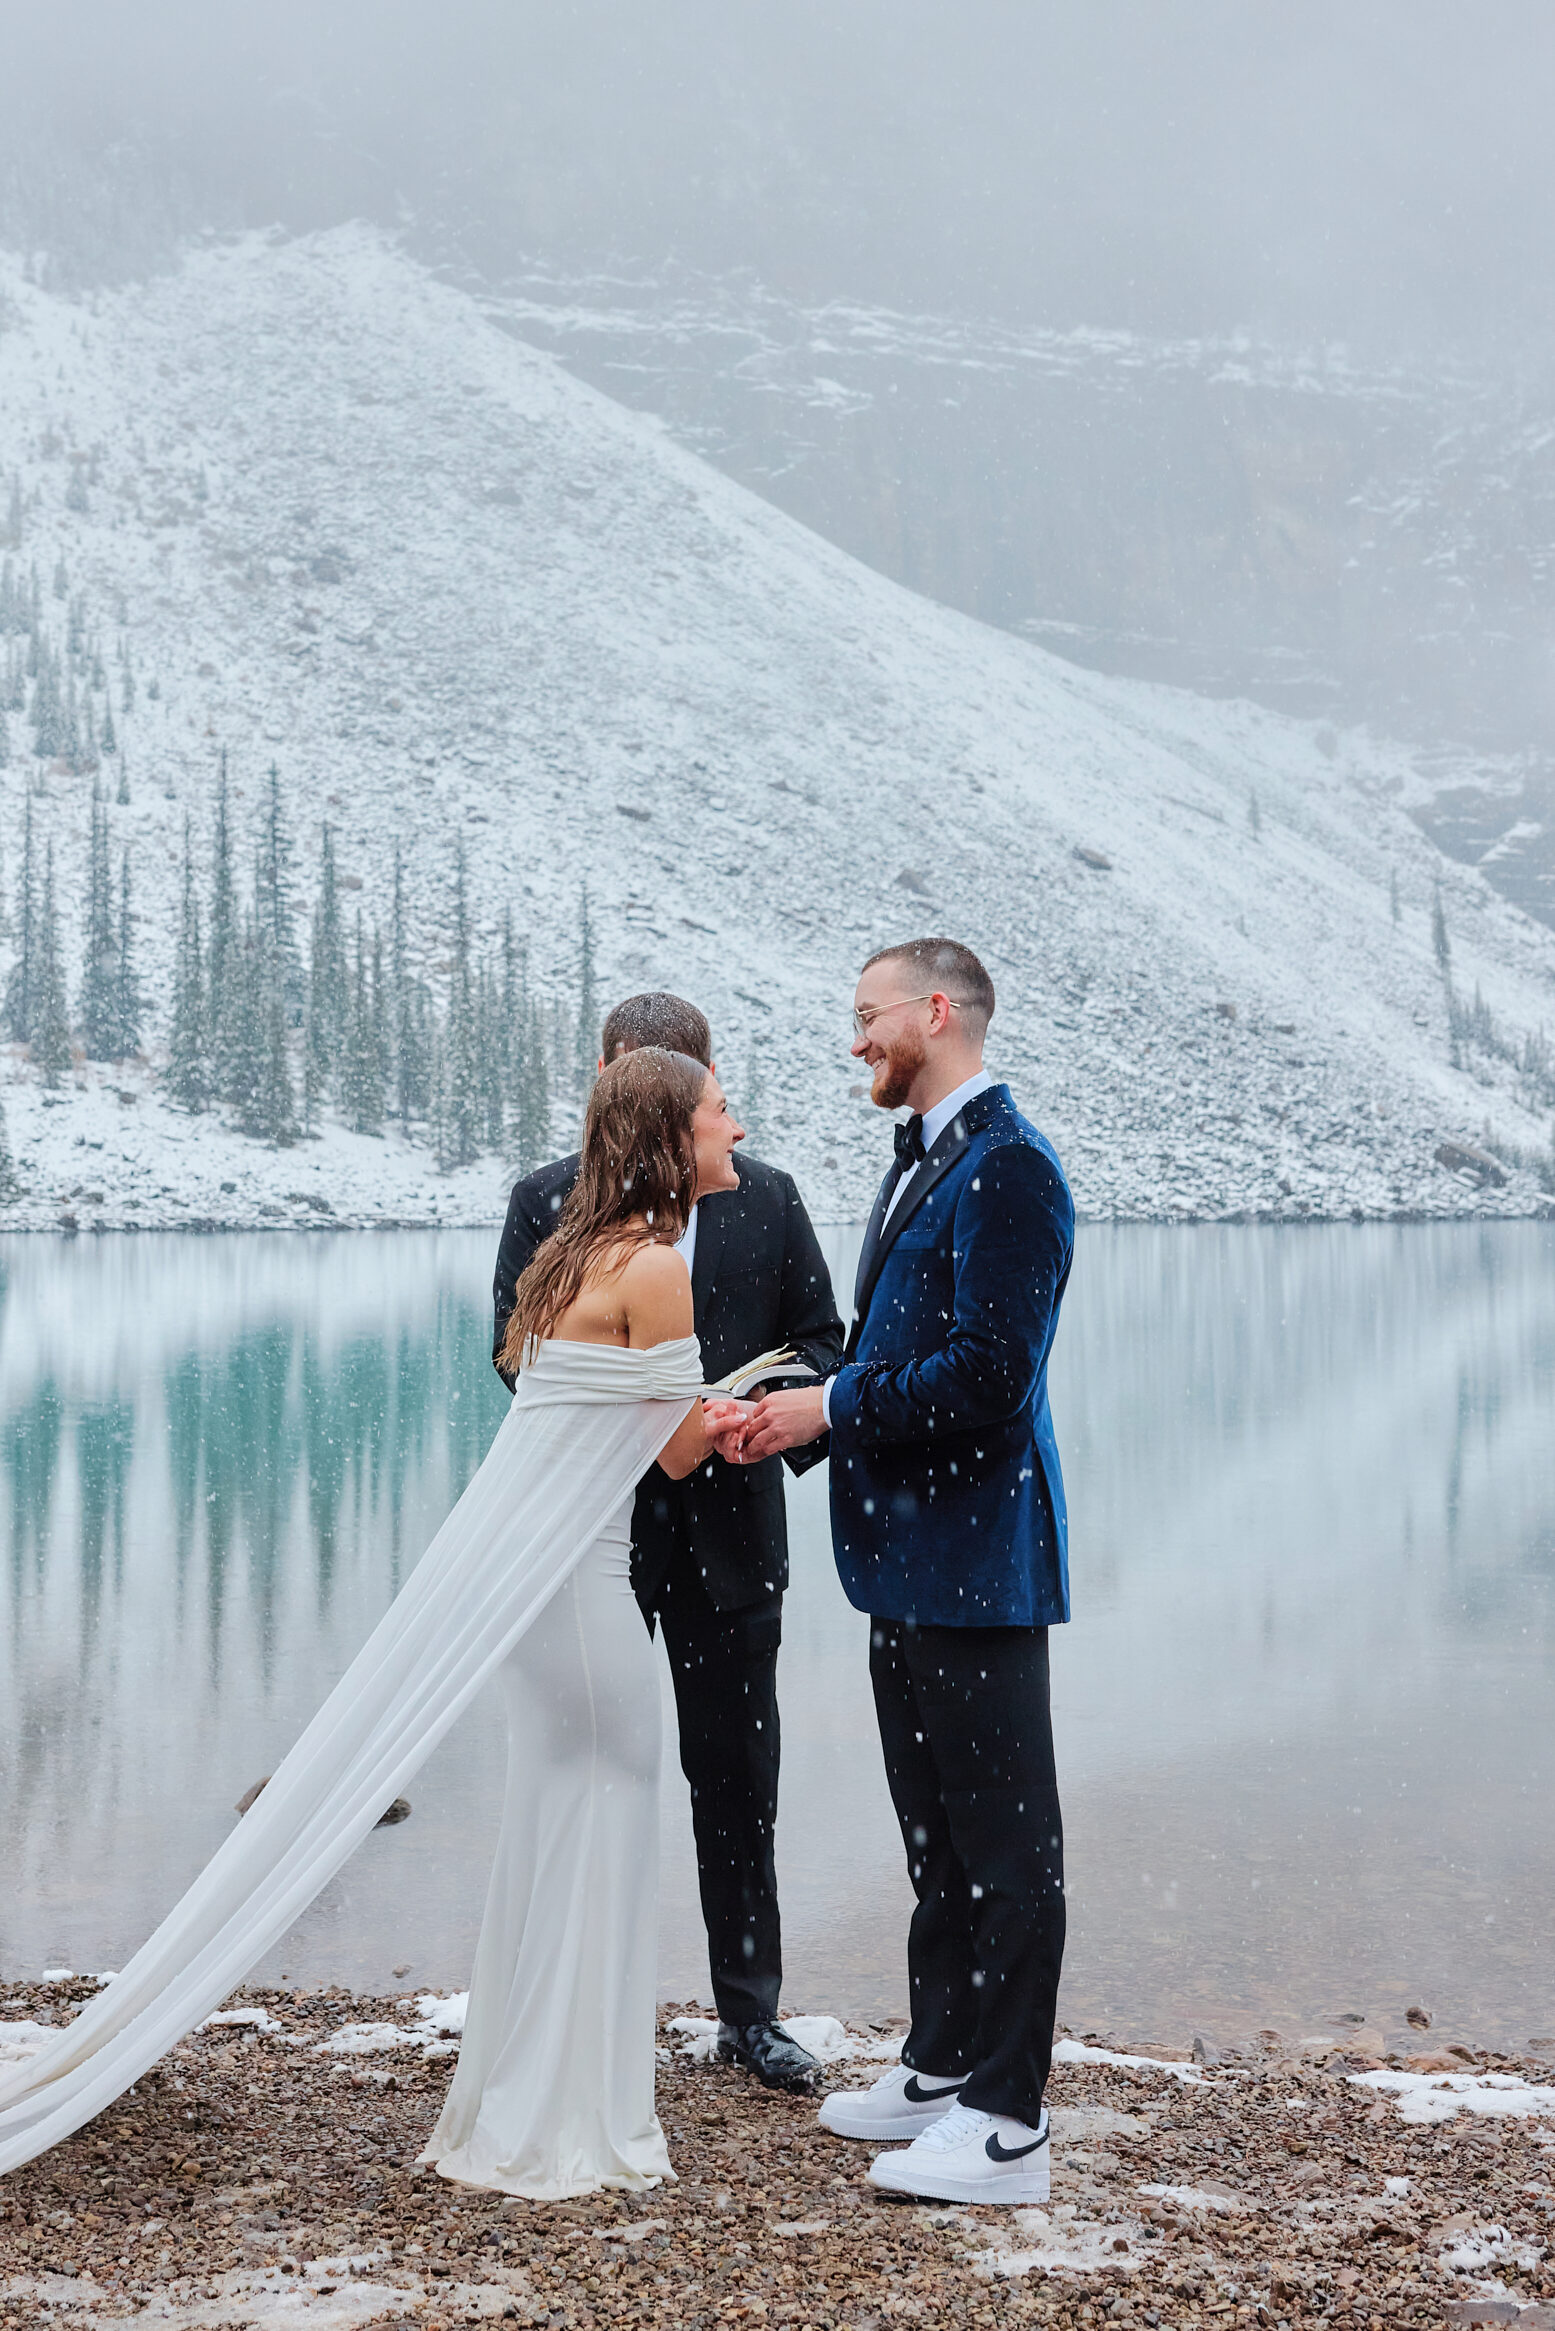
947,1501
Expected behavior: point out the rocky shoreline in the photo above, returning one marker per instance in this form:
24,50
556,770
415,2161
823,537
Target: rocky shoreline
265,2174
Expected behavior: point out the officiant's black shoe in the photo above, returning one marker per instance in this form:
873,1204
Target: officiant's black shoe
767,2050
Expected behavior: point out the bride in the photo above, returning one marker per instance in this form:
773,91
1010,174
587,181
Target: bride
553,2094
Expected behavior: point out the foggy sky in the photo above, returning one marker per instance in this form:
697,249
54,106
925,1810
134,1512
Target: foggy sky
1379,172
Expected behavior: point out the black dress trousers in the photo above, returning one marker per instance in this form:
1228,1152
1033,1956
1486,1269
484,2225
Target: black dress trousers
724,1664
967,1730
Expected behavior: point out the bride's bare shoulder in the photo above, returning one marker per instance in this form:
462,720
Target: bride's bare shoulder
656,1295
652,1269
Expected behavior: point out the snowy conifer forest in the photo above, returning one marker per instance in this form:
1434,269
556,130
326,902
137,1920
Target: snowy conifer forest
378,703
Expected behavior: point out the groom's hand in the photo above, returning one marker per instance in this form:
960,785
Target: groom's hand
783,1420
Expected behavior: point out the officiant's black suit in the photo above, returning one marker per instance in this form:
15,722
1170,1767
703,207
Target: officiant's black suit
710,1554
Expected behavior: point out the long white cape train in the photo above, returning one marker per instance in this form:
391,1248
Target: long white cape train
580,1432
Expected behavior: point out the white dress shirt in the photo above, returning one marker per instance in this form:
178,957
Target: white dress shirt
686,1244
935,1121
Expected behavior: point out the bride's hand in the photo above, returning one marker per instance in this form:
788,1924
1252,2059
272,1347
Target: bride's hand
725,1423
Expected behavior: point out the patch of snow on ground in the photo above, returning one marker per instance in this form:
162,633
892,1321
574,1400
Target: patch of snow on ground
19,2041
827,2039
439,2021
1084,2124
443,2016
1487,2251
367,2039
1059,2240
1075,2052
1439,2096
1194,2197
328,2294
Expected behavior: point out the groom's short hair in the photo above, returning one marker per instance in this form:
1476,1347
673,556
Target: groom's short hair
951,968
665,1020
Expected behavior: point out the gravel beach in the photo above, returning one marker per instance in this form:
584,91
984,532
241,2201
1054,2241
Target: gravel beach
264,2174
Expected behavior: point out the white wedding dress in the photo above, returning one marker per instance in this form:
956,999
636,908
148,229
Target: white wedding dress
553,2093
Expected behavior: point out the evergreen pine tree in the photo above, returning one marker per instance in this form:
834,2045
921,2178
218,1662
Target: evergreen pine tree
97,1015
533,1085
409,1032
20,987
277,1110
61,579
588,995
50,1025
245,1033
361,1079
1441,945
529,1100
274,904
123,795
324,1025
13,513
461,1125
437,1091
413,1046
222,947
188,1066
129,1005
1254,815
382,1049
72,751
490,1058
46,712
8,1181
108,736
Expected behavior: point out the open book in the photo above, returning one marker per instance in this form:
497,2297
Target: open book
780,1367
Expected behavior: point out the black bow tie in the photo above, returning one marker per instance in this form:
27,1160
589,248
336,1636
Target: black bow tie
909,1144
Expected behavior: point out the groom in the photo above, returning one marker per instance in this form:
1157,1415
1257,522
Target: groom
949,1527
710,1554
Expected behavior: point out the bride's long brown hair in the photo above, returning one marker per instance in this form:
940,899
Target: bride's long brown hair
635,1186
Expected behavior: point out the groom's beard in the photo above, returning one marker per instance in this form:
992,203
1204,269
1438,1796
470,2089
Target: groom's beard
893,1079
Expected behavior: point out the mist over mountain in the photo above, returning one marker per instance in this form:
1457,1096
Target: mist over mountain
1380,173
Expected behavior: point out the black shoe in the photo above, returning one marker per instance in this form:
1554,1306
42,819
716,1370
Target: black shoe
767,2050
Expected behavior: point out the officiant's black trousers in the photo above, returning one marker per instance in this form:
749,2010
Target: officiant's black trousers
725,1668
968,1737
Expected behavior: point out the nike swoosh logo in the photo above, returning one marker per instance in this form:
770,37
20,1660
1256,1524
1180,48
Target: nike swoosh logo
997,2152
916,2095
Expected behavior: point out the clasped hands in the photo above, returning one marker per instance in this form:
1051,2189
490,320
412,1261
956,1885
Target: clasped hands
745,1431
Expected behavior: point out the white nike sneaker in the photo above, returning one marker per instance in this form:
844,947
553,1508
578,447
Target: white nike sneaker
969,2156
901,2103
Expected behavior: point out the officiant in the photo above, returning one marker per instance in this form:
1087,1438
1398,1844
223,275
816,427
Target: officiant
710,1554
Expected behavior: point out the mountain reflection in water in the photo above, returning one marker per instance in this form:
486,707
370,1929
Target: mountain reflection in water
1303,1711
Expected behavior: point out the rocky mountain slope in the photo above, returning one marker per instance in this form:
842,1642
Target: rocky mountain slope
1351,541
332,517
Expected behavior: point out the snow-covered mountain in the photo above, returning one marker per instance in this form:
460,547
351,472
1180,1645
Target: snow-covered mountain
343,522
1352,541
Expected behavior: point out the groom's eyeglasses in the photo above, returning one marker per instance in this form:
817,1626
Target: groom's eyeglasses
864,1020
